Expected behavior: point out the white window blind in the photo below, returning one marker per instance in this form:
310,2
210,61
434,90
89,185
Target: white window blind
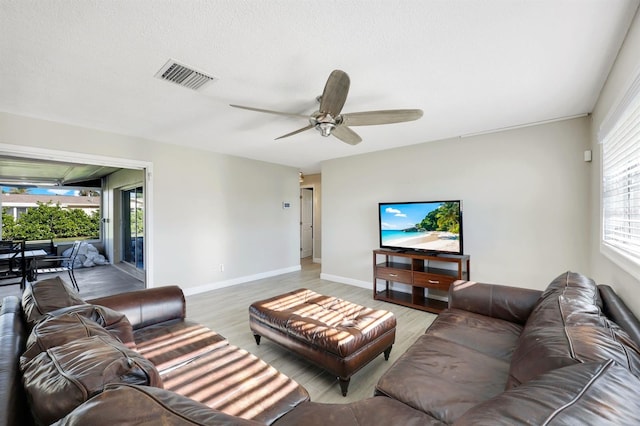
620,138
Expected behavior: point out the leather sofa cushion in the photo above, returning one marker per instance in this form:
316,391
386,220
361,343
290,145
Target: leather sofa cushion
568,327
129,405
575,286
491,336
63,377
378,410
546,348
116,323
58,330
595,393
512,304
570,299
442,378
44,296
170,344
238,383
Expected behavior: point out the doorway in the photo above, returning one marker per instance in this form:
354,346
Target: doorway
306,222
82,167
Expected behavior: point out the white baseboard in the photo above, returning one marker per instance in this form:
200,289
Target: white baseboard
349,281
190,291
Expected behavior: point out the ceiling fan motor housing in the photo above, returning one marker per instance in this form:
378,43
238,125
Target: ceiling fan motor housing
324,122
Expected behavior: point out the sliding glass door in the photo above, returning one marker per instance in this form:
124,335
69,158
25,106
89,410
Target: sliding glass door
133,227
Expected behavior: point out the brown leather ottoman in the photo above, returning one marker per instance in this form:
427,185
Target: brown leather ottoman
339,336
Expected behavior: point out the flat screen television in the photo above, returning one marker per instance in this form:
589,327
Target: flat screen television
422,226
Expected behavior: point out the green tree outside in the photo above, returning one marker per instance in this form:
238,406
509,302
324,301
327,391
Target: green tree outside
48,221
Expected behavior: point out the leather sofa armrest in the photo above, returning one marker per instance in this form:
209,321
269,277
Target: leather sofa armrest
513,304
148,306
14,408
615,308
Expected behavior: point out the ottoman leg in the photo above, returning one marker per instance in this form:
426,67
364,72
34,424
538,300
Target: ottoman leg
387,352
257,337
344,385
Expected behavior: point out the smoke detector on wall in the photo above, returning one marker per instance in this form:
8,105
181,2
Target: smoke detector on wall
184,75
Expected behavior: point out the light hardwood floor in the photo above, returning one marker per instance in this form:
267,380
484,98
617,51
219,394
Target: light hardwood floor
227,312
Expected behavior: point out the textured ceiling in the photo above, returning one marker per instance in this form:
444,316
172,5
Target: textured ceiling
472,66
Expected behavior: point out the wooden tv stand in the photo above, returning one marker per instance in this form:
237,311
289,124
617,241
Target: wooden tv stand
423,272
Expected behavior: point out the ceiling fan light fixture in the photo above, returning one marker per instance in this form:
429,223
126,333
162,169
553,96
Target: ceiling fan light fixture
324,123
325,128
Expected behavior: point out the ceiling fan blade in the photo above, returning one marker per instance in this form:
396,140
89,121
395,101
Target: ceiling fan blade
296,132
335,93
268,111
371,118
346,135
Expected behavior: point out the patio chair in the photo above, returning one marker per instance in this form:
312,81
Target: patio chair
54,264
12,261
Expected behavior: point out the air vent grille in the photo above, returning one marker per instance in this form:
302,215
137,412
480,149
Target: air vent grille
183,75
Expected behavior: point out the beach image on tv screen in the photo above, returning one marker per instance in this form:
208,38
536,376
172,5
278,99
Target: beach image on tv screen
421,226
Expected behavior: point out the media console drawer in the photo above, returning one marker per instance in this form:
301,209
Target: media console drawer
391,274
424,279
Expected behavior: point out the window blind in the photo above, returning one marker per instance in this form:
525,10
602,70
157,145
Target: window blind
620,138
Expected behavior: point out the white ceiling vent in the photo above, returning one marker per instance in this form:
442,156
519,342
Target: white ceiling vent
183,75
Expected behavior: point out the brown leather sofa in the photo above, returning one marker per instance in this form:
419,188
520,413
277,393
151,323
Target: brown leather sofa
504,355
137,354
498,356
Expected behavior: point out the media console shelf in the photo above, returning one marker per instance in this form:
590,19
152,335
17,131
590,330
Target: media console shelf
423,273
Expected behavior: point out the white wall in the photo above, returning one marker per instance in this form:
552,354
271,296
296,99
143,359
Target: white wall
208,209
525,196
626,67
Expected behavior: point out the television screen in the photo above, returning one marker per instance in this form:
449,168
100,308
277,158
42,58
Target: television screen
429,226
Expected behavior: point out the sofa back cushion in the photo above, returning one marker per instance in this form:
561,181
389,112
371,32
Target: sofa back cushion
56,330
567,327
595,393
63,377
573,285
116,323
45,296
132,405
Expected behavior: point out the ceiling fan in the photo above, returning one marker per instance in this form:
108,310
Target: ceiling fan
328,120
